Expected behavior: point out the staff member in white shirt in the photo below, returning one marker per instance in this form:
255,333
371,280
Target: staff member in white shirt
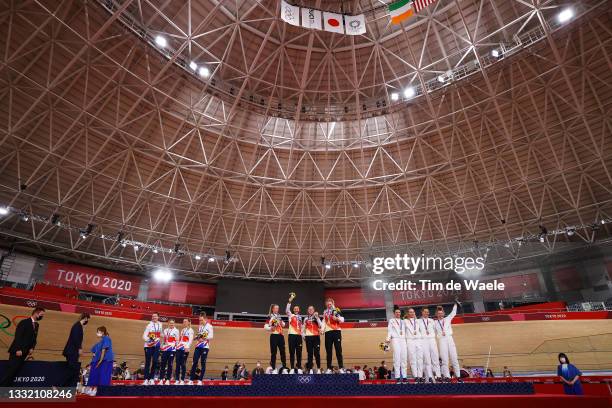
413,342
168,350
429,347
182,352
396,335
152,336
202,347
446,344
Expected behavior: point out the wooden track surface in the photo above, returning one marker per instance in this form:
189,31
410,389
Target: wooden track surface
523,346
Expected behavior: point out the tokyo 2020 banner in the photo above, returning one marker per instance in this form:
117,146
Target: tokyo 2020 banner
92,279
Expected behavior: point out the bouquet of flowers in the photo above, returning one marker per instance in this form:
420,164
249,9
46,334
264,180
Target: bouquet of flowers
202,336
274,322
383,346
152,338
336,311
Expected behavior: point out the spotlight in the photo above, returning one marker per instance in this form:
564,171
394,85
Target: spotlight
355,265
495,53
102,236
161,41
204,72
542,238
197,257
162,275
83,234
124,244
570,231
327,266
211,259
603,221
441,79
155,250
193,66
565,15
136,247
409,92
394,96
4,210
25,217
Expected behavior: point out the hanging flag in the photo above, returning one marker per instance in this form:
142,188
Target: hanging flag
355,25
421,4
290,14
333,22
311,18
400,11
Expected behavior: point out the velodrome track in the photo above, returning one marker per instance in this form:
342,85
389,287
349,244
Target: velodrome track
524,346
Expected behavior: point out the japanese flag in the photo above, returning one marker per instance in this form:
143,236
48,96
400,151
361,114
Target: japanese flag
290,14
355,25
333,22
311,18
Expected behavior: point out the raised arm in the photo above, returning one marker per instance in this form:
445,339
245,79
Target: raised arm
453,312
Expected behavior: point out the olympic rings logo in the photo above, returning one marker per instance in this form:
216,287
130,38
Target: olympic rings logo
31,303
6,323
304,379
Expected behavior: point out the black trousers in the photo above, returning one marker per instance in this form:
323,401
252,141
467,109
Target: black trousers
165,370
74,367
295,350
333,338
181,365
277,342
151,362
313,348
12,369
200,355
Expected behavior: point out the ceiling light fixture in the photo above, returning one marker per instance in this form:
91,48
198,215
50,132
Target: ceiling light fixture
197,257
394,96
204,72
162,275
565,15
4,210
193,65
409,92
495,53
161,41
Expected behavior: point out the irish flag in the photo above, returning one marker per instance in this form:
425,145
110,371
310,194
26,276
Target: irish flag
400,11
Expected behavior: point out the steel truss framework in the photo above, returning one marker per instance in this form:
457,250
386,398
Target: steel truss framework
100,127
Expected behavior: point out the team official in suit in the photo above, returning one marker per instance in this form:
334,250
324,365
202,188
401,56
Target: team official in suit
74,348
22,346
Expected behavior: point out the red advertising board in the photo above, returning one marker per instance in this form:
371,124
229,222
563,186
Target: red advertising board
356,298
183,292
92,279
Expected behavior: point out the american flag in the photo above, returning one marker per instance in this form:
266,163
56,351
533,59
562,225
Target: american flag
421,4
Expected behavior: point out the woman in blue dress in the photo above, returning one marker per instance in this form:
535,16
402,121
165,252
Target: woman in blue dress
101,362
570,375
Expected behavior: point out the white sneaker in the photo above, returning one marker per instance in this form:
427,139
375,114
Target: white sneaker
176,382
189,382
167,382
199,382
181,382
146,382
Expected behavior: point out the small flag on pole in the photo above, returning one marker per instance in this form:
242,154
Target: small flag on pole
355,25
400,11
421,4
290,14
333,22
